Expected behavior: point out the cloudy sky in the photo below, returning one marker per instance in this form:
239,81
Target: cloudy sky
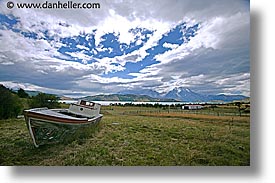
127,45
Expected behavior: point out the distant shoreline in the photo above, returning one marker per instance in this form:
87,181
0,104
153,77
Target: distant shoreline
124,102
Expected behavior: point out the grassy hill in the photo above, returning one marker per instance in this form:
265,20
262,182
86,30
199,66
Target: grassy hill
139,136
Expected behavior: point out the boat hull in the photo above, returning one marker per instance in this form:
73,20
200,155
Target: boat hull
45,129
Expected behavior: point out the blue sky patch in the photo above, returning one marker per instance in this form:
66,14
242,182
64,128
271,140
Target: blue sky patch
109,46
7,21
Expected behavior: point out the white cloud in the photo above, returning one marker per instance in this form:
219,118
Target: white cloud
82,47
31,87
122,26
170,45
80,55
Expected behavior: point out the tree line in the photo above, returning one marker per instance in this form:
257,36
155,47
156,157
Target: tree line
12,103
155,105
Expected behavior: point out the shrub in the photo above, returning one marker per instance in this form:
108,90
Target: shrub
44,100
22,94
10,105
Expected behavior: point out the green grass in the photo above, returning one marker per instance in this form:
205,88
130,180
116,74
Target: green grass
129,138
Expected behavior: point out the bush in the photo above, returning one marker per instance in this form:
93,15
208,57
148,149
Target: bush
10,105
22,94
44,100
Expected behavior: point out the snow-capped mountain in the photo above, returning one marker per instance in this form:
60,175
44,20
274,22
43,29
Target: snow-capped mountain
185,95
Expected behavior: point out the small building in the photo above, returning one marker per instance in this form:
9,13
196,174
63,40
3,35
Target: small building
192,107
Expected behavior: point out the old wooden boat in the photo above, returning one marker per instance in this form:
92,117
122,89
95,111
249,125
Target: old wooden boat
48,126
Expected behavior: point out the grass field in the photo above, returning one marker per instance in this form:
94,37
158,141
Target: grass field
140,136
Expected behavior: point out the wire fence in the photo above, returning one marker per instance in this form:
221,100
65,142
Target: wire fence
229,112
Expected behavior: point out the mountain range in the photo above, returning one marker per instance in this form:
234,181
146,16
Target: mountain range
126,97
181,94
185,95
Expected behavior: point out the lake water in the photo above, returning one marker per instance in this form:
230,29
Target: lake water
124,102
